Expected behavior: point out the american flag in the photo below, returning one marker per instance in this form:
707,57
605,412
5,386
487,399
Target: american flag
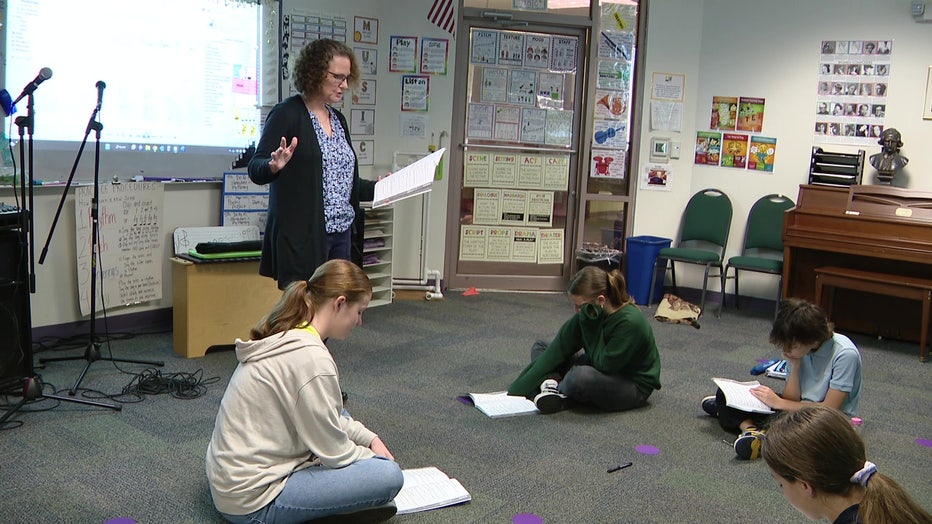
443,15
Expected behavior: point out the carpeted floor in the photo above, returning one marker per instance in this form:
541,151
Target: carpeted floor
403,370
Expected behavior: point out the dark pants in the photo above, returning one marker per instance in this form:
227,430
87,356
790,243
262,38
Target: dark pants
339,244
730,418
584,384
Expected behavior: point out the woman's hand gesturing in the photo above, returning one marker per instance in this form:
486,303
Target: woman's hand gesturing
282,155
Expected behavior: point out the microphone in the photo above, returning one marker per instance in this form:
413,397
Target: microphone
44,74
6,101
100,93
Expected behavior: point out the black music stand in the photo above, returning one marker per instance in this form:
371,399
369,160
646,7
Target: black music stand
32,384
92,352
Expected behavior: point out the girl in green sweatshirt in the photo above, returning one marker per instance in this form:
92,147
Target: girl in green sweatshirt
603,356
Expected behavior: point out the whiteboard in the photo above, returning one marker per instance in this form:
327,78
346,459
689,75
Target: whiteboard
129,265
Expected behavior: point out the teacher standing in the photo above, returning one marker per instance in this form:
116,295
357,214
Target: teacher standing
306,156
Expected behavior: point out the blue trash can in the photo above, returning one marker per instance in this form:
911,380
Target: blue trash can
641,254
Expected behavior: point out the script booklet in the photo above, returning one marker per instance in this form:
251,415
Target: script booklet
501,404
738,395
429,488
409,181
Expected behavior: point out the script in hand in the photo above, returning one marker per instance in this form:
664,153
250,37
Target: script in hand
501,404
738,395
429,488
407,182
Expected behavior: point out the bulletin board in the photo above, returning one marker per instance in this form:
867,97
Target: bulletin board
129,244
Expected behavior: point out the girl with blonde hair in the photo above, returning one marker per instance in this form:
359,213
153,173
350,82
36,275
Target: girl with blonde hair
283,448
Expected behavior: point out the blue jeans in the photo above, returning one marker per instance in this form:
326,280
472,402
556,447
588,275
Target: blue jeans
318,492
340,244
582,383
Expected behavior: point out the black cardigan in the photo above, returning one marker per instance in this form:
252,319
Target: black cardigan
295,243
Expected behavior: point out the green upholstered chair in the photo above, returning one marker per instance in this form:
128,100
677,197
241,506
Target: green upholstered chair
763,243
702,240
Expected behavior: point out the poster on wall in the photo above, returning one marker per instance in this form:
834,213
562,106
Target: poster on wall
413,125
494,84
479,119
402,54
550,246
366,30
537,54
851,91
473,242
563,53
724,113
762,153
484,47
365,152
734,150
364,92
415,92
362,122
657,177
368,60
510,48
708,147
750,114
434,55
607,164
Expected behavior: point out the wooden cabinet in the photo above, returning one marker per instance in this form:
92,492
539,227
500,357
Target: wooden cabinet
215,303
377,253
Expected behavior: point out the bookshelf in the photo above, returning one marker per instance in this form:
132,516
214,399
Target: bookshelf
377,252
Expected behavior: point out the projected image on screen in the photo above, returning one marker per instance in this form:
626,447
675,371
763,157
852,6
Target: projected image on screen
181,75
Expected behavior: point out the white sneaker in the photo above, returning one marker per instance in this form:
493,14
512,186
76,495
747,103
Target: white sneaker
550,400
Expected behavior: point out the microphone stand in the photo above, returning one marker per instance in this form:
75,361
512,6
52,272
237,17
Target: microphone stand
92,353
32,383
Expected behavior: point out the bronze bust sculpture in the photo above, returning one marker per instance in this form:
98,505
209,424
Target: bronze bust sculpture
889,160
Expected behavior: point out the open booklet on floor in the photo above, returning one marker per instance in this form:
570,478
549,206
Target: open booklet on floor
501,404
429,488
738,395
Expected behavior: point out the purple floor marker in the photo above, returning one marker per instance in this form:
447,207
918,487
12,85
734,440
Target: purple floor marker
924,442
526,518
762,360
646,449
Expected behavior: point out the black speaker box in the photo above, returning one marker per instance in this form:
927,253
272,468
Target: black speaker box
15,321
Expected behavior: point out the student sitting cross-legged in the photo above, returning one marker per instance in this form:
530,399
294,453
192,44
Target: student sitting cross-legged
283,447
603,356
823,367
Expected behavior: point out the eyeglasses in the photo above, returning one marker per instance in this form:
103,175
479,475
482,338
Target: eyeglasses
341,78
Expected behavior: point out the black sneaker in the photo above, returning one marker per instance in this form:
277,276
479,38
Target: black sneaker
710,406
366,516
550,400
747,446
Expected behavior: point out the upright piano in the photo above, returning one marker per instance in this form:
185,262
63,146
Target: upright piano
873,228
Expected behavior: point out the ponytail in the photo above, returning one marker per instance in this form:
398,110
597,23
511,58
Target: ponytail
302,298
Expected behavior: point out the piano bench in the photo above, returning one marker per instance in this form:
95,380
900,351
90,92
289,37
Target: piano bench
882,284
